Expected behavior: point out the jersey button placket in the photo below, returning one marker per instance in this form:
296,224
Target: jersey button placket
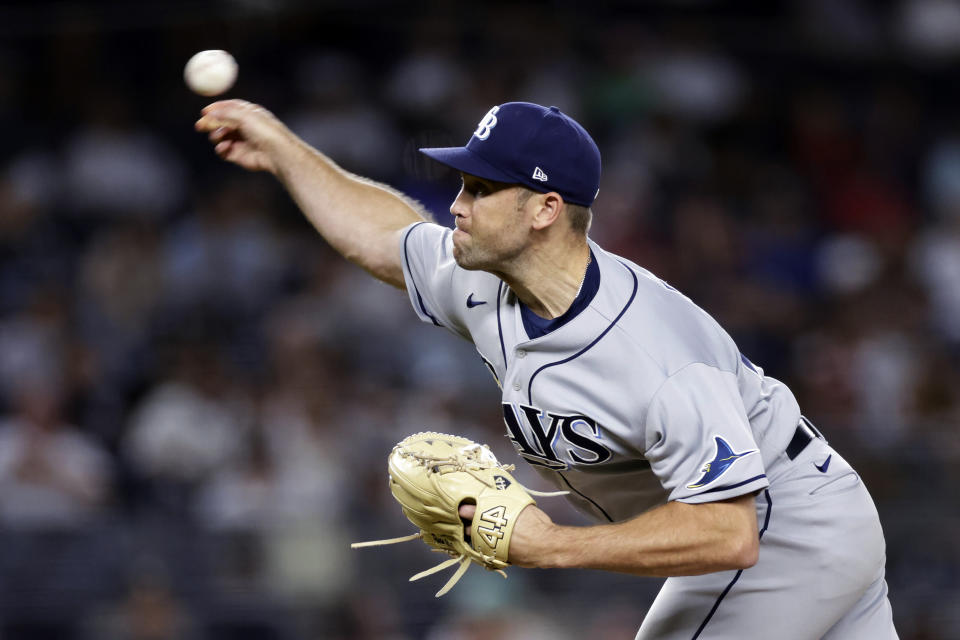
518,368
519,354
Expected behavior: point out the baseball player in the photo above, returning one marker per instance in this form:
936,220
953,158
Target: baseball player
617,388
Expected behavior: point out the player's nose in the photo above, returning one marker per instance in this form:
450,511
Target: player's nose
459,205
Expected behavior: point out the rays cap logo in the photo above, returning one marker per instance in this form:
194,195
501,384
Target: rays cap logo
524,143
722,460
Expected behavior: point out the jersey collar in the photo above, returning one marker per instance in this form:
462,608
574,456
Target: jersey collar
537,326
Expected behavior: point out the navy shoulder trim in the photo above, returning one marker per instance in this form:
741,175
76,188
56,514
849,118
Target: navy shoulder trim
406,259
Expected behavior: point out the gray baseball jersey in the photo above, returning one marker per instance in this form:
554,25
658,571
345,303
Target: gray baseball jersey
633,398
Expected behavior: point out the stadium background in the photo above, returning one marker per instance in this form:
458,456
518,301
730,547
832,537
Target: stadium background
197,396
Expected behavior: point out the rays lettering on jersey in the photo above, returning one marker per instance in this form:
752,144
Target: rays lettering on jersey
553,440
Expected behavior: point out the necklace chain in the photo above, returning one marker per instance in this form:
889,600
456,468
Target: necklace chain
583,279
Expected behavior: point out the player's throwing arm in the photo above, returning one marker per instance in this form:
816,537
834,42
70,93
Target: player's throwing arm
359,218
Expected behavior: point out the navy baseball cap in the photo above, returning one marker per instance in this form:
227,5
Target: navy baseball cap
538,147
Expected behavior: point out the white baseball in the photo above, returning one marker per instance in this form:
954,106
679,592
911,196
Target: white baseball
211,72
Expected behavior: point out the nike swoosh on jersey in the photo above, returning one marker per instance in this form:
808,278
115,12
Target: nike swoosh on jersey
822,468
724,457
471,303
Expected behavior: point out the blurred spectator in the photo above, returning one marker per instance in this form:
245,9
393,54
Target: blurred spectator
118,168
229,257
692,82
885,370
846,27
147,610
119,297
431,77
188,426
52,476
506,624
36,252
847,263
340,118
287,492
935,255
930,28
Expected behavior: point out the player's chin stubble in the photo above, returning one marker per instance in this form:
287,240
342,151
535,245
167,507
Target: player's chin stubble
473,256
464,257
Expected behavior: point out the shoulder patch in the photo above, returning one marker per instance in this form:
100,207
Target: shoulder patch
722,460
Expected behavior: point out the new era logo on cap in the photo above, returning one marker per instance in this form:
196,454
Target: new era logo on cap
514,141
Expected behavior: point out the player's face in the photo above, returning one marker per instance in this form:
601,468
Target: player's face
492,228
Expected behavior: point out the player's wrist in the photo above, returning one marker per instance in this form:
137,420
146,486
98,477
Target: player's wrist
533,544
284,153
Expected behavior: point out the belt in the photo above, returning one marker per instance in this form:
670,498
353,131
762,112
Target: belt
804,434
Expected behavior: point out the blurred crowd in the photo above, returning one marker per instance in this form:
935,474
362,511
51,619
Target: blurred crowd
197,396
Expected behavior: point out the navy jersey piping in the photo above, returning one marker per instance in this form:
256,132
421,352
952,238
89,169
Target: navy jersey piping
585,497
716,605
503,348
406,258
636,285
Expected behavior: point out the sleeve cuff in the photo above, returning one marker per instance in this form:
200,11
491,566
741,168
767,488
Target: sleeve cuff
725,492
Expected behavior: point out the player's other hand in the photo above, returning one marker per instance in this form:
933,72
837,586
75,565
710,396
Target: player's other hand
243,133
532,527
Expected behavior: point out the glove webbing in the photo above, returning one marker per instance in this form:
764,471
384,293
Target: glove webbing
455,463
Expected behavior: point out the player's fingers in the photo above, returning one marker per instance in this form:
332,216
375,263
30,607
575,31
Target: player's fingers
223,113
220,133
223,148
223,105
208,123
230,111
233,114
467,512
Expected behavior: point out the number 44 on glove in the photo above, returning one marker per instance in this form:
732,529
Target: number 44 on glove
431,475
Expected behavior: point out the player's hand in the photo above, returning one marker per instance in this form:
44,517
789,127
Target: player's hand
532,527
244,133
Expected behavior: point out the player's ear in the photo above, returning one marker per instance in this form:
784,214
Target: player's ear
548,207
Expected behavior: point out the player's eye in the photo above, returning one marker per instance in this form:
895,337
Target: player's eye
479,188
475,188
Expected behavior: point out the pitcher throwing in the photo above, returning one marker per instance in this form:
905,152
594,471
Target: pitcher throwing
616,387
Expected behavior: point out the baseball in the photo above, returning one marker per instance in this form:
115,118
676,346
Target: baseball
211,72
